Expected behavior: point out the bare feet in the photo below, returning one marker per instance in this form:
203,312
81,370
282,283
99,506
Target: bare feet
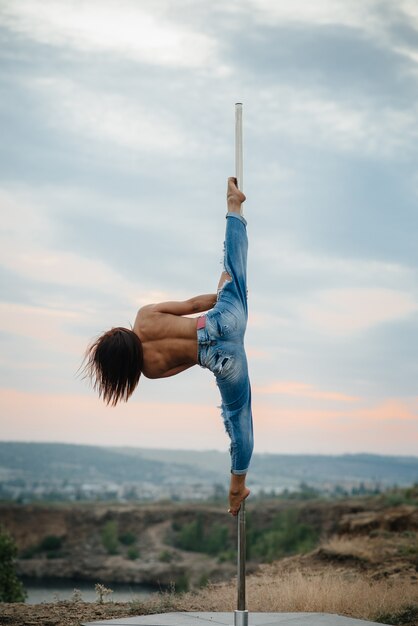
237,493
234,196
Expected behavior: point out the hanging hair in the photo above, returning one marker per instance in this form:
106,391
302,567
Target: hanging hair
113,363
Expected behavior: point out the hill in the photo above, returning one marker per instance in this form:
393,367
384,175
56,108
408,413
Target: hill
30,471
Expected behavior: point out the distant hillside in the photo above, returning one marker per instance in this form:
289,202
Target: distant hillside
292,469
80,463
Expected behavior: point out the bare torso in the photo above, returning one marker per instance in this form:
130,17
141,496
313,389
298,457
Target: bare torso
169,342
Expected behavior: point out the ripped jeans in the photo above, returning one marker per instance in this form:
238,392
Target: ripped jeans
221,345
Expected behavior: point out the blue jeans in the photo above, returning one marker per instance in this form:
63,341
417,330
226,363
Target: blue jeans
221,345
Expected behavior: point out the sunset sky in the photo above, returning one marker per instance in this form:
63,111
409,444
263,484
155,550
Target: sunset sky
117,137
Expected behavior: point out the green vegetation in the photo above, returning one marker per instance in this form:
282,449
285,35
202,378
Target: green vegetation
11,589
182,583
133,553
51,545
127,539
286,534
110,538
398,496
196,537
166,556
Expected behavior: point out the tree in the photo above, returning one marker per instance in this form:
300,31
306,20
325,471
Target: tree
11,589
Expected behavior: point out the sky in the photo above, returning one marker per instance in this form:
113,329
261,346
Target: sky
117,137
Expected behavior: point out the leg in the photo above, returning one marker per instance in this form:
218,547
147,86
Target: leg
233,291
225,357
234,386
240,430
234,200
225,278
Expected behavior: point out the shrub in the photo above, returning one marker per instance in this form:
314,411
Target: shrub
182,583
128,538
286,536
110,537
196,538
102,592
11,589
191,536
166,556
133,553
50,543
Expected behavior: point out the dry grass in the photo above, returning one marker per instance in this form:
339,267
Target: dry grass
327,592
360,547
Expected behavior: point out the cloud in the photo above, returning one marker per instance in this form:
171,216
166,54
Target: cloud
85,419
131,31
320,12
46,326
110,118
391,409
289,262
308,114
388,427
303,390
347,311
29,250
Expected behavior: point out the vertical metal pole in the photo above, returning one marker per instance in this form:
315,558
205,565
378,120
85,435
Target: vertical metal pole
241,614
238,145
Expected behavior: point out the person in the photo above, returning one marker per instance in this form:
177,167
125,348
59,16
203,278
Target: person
164,341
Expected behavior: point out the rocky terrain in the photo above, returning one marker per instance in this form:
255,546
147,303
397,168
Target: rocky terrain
84,548
366,563
74,541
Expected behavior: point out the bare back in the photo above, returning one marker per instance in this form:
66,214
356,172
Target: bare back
169,342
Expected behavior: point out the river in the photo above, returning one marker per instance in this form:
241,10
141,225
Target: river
54,589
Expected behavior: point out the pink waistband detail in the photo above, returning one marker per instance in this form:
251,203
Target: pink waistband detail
201,322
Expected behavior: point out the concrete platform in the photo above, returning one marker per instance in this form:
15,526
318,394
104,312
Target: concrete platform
227,619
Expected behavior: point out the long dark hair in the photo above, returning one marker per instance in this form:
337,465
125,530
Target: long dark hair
113,363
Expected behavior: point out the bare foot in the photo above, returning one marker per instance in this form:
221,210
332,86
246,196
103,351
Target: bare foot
235,499
234,196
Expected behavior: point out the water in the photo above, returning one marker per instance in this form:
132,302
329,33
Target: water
54,589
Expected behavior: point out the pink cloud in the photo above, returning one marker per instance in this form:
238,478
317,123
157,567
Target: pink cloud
390,409
343,311
389,427
85,419
386,427
303,390
256,353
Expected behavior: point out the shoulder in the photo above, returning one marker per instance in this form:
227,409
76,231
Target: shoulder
143,318
146,311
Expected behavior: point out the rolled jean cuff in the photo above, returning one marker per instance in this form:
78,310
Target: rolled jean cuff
238,216
239,472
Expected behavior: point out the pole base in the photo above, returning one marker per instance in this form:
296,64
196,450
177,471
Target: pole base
241,618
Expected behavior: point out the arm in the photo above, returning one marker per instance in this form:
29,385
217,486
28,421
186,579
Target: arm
198,304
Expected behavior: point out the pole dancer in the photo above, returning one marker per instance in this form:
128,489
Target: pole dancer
164,341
